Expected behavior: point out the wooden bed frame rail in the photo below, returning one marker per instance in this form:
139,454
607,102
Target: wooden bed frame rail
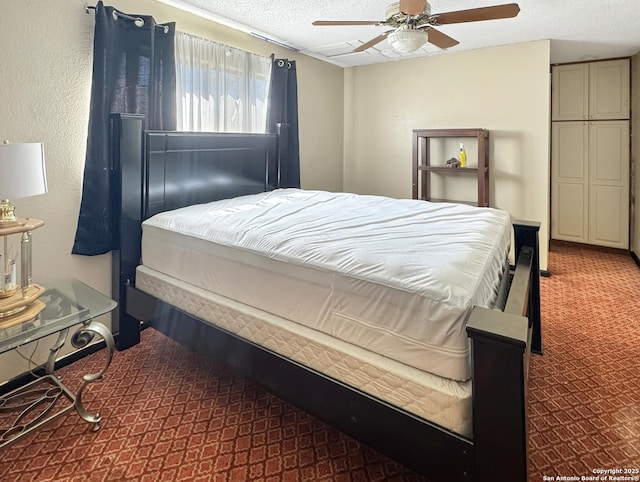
501,340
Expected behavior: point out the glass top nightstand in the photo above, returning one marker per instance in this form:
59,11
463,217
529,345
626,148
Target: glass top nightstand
69,303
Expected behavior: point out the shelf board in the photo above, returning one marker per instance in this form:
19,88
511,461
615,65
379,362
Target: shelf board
470,132
456,170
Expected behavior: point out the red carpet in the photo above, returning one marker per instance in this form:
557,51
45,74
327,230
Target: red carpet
169,415
584,393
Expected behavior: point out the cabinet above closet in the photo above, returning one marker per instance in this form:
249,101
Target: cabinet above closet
591,91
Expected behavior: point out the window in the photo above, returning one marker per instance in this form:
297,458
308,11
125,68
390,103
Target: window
220,88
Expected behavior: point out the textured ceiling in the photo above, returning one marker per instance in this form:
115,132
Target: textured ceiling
579,29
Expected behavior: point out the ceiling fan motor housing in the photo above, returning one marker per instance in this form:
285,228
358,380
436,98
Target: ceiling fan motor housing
394,15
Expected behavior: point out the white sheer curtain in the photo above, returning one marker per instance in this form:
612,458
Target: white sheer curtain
220,88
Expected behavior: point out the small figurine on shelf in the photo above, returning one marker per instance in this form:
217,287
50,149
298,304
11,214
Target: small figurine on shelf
462,156
453,162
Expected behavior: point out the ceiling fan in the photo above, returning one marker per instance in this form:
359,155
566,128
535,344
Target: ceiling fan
412,24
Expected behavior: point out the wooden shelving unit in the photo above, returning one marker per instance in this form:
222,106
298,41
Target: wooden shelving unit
423,167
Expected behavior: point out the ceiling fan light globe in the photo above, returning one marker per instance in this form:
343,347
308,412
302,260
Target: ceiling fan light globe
405,40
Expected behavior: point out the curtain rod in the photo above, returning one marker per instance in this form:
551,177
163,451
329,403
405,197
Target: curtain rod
138,21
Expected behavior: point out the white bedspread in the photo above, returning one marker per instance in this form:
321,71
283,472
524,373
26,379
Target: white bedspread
397,277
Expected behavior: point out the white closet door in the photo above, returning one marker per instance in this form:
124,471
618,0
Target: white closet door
609,183
569,174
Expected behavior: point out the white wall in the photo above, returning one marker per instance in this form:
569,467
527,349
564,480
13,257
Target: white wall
45,78
503,89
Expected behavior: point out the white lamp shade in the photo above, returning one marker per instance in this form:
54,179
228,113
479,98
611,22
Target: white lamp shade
22,172
406,40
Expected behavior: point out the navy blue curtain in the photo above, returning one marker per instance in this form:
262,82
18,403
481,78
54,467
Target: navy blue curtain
133,73
283,109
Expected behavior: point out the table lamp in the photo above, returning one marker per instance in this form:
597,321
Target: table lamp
22,174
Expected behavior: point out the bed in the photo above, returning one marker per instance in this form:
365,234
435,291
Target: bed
322,326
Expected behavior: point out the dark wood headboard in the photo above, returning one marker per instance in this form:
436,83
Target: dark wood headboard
157,171
187,168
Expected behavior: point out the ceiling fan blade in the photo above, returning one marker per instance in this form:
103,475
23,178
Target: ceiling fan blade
477,14
412,7
373,41
322,23
437,38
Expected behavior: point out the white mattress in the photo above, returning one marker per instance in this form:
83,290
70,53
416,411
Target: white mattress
439,400
396,277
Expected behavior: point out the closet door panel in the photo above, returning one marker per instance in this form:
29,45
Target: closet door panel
609,183
569,173
570,213
608,223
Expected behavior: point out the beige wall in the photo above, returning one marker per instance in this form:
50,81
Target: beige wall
45,79
635,153
503,89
